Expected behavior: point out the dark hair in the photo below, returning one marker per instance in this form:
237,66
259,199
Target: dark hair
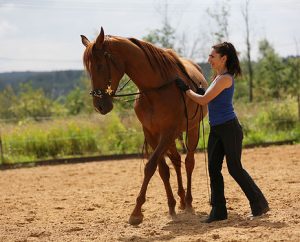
232,63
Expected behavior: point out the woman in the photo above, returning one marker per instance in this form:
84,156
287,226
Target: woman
226,134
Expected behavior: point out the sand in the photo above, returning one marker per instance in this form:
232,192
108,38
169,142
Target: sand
92,202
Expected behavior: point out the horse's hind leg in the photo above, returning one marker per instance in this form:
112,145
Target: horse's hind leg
189,166
176,161
164,173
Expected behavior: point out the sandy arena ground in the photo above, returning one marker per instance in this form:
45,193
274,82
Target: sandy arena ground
93,201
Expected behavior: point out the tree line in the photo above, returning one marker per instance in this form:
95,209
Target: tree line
275,77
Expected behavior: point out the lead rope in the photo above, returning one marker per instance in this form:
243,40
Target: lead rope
205,158
187,124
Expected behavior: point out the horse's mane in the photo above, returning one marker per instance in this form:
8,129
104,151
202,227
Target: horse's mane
166,59
196,66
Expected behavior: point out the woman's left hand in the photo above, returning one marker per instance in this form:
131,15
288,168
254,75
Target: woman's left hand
182,86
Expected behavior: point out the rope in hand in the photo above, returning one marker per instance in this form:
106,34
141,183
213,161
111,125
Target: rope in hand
205,158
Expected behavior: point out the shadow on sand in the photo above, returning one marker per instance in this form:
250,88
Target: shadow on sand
190,224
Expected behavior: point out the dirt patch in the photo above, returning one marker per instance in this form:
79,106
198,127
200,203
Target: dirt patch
93,201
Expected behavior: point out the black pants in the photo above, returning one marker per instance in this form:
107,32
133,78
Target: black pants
226,140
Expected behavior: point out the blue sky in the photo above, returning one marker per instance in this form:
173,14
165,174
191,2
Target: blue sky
38,35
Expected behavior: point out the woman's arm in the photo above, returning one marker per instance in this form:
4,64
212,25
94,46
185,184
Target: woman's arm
214,90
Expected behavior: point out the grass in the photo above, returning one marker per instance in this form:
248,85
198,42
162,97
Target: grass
122,134
69,137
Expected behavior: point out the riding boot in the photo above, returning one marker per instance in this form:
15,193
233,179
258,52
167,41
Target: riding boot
260,207
217,213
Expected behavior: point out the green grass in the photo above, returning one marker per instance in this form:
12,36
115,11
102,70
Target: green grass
70,137
265,122
122,134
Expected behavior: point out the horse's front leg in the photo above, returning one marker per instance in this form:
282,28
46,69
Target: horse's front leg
136,216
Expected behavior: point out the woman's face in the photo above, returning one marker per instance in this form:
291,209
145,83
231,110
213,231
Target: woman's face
216,61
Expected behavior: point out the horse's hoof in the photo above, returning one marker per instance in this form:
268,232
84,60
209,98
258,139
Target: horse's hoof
135,220
181,206
172,213
189,209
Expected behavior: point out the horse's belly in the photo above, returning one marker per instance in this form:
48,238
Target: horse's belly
157,117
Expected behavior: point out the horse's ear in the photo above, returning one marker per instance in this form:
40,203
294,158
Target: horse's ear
100,39
84,40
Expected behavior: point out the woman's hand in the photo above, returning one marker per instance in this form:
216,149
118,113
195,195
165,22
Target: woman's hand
200,90
182,86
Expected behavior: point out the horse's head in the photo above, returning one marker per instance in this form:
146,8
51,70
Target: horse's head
105,71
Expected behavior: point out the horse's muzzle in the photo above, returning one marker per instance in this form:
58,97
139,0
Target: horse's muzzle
103,106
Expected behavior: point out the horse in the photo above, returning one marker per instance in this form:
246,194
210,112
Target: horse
162,109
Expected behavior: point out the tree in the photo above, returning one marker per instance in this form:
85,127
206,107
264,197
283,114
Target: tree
293,77
270,71
30,103
220,14
78,101
245,13
7,99
189,45
164,37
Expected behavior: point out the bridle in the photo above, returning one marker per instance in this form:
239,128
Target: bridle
99,93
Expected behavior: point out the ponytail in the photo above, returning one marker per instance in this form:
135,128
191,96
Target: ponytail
232,63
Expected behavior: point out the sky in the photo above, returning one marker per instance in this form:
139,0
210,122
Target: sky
44,35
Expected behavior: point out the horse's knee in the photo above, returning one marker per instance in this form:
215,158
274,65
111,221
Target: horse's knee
190,162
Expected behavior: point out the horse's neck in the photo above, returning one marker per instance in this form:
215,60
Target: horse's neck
137,66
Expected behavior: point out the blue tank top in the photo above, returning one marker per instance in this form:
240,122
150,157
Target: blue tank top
220,109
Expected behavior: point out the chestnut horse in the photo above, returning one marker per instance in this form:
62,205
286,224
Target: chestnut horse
162,109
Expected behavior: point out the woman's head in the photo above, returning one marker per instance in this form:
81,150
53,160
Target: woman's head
225,54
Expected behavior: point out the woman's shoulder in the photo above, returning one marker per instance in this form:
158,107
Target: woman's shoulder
226,80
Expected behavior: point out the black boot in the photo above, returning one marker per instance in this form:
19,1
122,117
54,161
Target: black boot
217,213
259,208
